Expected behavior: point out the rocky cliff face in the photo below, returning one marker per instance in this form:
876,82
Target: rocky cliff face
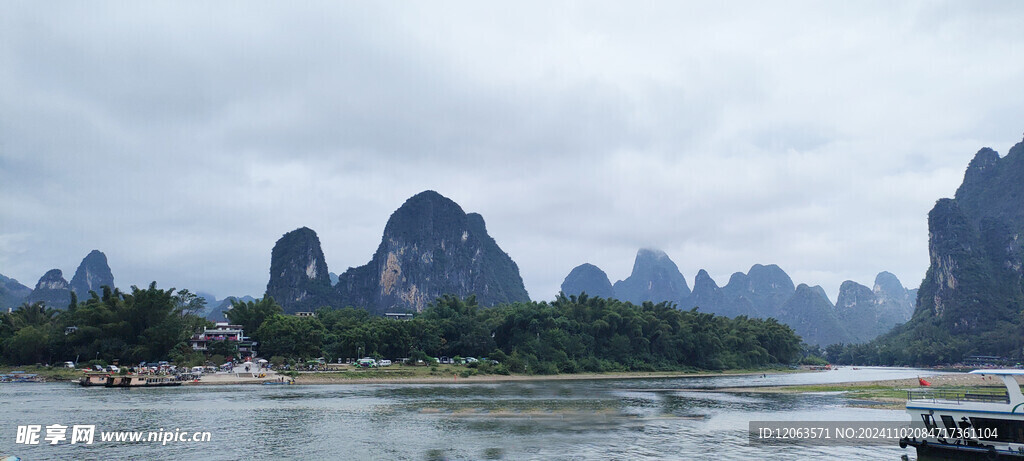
12,293
589,279
299,280
52,290
654,278
431,247
92,274
974,287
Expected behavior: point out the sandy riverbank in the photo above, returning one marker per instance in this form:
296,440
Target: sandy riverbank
451,378
888,394
946,380
215,379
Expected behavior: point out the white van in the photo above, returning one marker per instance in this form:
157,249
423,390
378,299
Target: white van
383,363
197,370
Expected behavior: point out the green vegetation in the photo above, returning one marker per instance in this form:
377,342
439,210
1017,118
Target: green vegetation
569,335
144,325
250,315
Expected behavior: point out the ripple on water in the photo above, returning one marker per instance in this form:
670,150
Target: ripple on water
599,419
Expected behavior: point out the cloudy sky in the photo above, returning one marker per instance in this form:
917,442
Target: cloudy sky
184,141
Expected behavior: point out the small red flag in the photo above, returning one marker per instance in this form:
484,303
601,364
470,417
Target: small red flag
923,382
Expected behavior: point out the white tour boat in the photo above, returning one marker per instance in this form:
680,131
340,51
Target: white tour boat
971,423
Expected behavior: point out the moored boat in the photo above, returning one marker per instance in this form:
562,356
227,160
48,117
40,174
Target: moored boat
93,379
970,423
142,381
108,380
20,377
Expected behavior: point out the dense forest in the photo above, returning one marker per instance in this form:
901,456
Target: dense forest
568,335
145,324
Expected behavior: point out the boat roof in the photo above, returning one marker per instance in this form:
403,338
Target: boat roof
997,371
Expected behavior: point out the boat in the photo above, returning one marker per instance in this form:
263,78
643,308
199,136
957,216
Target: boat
142,381
93,379
108,380
970,423
20,377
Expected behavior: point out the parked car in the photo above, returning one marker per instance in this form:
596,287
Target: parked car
383,363
114,369
69,364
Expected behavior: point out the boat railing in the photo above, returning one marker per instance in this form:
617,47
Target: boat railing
959,395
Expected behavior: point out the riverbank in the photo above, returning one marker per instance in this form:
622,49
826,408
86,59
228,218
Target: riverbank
48,374
424,375
54,374
886,394
447,374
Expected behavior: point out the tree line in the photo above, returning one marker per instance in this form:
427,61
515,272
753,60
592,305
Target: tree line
571,334
567,335
145,324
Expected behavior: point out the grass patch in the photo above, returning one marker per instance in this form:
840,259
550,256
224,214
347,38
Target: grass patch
48,373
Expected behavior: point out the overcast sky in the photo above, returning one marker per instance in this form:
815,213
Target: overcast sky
183,142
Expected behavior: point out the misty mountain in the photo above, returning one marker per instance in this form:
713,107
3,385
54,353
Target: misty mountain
12,293
811,315
216,313
655,278
874,310
588,278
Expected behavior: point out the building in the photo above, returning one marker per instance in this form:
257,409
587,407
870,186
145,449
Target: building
398,316
305,314
224,331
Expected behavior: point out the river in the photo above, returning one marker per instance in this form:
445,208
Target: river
666,418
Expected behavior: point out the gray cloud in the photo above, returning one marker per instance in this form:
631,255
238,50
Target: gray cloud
183,141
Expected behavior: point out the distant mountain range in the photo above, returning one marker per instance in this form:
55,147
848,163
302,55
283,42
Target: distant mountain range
12,293
92,274
215,308
431,247
861,314
54,291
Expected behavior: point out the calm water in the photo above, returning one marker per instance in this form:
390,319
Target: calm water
579,419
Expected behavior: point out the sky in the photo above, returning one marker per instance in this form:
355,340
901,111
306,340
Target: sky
183,139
